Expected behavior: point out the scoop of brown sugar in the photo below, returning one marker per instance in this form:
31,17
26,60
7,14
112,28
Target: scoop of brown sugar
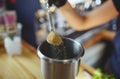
54,38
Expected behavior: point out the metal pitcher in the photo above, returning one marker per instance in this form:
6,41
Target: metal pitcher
52,68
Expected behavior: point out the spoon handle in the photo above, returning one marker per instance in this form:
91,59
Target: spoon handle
50,18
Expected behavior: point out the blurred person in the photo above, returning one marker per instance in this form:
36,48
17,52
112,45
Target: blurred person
25,10
98,16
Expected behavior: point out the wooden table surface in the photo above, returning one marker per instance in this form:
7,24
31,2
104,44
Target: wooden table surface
27,65
24,66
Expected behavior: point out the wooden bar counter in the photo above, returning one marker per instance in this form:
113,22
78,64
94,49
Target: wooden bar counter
27,65
24,66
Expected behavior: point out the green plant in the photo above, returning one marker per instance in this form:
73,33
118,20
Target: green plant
99,75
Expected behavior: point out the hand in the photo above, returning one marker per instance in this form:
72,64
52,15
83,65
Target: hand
57,3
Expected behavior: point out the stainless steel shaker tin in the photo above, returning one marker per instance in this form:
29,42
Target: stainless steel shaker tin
53,68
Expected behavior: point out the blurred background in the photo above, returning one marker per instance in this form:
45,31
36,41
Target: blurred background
97,53
32,15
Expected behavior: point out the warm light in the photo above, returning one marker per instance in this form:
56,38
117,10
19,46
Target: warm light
73,5
87,5
52,9
42,1
98,2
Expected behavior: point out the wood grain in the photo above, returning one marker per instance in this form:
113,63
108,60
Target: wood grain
27,65
24,66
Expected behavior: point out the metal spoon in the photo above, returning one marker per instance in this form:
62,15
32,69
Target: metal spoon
52,38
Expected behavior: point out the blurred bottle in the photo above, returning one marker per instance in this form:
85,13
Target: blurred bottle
2,5
12,41
2,28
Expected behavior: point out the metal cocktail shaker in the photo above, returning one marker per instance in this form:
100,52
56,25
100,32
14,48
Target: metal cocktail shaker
52,68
